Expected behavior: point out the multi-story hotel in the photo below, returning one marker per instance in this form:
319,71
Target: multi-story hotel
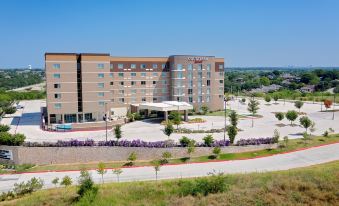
84,87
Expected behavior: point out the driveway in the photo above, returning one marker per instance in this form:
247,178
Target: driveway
303,158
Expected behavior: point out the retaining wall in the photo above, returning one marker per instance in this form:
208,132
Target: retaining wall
60,155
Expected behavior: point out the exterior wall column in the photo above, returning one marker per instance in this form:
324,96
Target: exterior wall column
62,119
166,115
185,115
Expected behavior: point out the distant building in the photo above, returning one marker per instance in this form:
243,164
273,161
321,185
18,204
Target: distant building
265,89
307,89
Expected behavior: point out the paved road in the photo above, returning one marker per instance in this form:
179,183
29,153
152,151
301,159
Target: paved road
286,161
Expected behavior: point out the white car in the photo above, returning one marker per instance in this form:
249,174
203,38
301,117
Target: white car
19,107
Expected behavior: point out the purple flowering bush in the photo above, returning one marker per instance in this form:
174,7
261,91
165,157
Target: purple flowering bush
252,141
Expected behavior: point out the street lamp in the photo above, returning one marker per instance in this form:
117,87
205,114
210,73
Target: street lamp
106,118
333,105
225,103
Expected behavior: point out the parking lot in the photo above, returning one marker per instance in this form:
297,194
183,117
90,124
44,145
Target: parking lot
28,120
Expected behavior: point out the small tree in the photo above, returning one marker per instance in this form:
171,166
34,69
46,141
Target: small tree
305,137
312,128
168,130
253,107
86,184
190,149
327,103
232,132
305,122
298,104
117,132
176,118
184,141
216,151
276,136
204,109
156,166
276,97
280,116
286,140
291,116
234,118
66,181
131,158
117,172
268,98
165,156
101,170
55,181
208,140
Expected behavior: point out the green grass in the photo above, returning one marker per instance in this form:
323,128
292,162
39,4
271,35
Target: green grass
293,144
315,185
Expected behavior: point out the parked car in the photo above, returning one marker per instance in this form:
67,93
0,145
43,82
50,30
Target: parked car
19,106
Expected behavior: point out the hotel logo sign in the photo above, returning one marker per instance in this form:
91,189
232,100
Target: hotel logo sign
197,59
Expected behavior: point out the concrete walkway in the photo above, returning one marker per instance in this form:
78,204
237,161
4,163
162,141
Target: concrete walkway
302,158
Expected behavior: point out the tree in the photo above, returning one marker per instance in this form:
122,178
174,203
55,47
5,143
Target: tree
176,118
184,141
190,149
208,140
66,181
156,166
204,109
131,158
101,170
276,97
291,115
253,107
232,132
305,122
312,128
327,103
117,132
268,98
279,115
117,172
216,151
168,130
55,181
86,184
298,104
165,156
234,118
286,140
265,81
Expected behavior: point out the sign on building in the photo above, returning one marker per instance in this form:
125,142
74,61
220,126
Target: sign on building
6,154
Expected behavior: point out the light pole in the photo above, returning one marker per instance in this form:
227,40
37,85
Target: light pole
106,119
333,106
225,103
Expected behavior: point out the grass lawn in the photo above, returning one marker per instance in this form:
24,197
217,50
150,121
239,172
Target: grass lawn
315,185
291,145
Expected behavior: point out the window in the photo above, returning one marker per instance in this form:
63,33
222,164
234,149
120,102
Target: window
101,103
121,100
111,83
155,99
121,83
132,82
143,91
208,98
190,67
57,86
120,66
208,90
100,75
208,67
143,66
56,76
133,99
155,74
133,91
111,66
57,106
221,74
179,75
154,66
199,67
221,81
190,75
190,91
121,74
164,81
133,66
179,67
100,66
101,85
208,82
190,99
208,74
190,83
143,74
154,82
163,66
121,91
221,90
69,118
199,75
164,74
143,82
164,90
111,75
199,99
221,66
133,74
101,94
143,99
57,96
56,66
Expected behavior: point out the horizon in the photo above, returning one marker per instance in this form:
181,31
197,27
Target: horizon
288,34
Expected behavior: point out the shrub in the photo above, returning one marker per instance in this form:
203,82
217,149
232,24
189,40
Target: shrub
291,115
131,158
86,184
267,98
204,109
10,110
208,140
66,181
298,104
4,128
165,156
196,120
117,132
305,122
216,151
11,140
232,132
203,186
280,116
327,103
28,187
244,142
276,136
168,130
184,141
325,134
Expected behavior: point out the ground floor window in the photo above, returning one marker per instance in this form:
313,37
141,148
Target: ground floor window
55,118
89,117
70,118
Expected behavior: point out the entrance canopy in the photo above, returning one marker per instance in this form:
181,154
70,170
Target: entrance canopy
166,106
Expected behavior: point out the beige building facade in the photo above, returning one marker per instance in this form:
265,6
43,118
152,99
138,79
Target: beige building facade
85,88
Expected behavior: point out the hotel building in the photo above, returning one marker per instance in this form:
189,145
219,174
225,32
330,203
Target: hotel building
84,87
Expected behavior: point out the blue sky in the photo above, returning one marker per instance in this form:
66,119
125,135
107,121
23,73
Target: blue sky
244,32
